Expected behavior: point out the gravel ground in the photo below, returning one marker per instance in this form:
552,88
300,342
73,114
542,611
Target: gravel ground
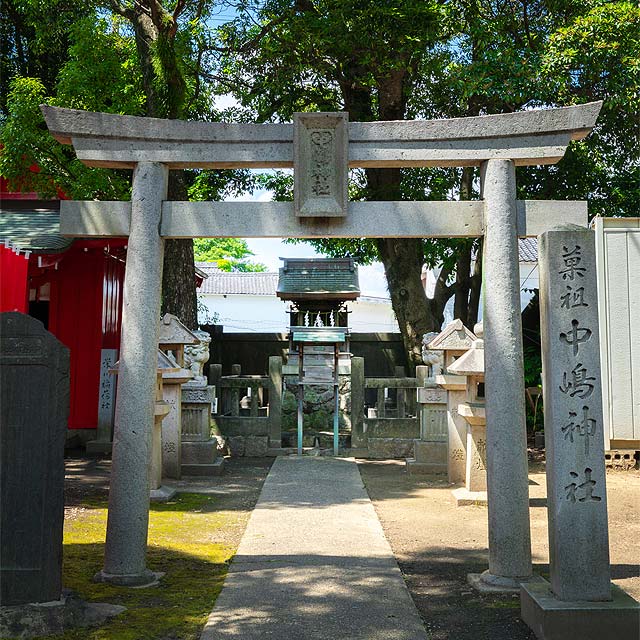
436,544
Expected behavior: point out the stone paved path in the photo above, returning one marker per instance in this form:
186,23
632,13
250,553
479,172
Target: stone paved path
314,564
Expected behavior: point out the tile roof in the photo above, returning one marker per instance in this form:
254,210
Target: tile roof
528,249
33,225
237,283
318,278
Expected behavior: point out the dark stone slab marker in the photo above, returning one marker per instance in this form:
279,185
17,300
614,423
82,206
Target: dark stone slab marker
34,407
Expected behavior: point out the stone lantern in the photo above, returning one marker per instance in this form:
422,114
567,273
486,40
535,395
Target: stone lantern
161,409
453,342
471,365
174,336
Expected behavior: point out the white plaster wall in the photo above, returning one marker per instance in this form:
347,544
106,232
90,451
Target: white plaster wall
266,314
618,265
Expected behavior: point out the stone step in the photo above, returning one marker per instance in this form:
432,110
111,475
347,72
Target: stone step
211,469
415,468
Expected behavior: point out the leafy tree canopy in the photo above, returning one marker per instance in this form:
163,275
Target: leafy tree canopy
230,254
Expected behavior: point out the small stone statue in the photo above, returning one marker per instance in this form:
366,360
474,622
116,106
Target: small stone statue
195,357
433,358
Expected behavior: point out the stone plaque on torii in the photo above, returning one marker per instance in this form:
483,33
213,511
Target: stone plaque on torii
151,147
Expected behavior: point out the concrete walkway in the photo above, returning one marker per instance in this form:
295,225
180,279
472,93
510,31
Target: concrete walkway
314,564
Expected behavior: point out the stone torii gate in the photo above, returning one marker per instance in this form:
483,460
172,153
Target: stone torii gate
321,148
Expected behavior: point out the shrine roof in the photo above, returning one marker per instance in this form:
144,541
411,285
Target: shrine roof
33,225
318,278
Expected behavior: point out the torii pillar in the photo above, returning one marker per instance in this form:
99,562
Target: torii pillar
507,467
128,517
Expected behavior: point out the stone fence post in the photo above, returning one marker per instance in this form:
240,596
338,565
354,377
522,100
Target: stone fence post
357,402
275,401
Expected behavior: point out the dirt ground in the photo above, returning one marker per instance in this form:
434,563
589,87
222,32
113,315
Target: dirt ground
437,543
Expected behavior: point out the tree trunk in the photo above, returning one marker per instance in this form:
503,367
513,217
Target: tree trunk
178,282
165,90
402,259
178,274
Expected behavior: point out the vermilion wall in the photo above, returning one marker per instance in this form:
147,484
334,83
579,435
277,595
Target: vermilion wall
84,314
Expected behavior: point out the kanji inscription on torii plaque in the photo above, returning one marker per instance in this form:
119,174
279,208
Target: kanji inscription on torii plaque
576,488
320,164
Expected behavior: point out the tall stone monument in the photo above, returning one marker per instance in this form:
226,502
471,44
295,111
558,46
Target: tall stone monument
34,408
580,601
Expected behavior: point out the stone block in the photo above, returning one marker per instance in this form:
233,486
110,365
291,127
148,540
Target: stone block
320,164
199,452
34,407
621,460
434,453
256,446
466,498
553,619
236,446
383,448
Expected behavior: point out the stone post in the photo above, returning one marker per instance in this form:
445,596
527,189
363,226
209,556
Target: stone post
422,373
576,480
275,401
106,403
127,524
357,402
214,375
507,471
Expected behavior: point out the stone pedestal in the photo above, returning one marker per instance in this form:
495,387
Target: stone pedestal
579,601
159,492
430,451
553,619
199,450
172,426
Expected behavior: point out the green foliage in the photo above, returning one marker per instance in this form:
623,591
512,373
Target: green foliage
27,142
533,378
230,254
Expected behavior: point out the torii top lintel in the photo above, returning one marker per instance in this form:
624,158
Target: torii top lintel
526,137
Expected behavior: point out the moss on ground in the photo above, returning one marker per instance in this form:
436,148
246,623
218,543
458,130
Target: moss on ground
184,542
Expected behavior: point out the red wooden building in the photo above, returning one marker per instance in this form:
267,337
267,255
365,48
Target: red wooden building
73,286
